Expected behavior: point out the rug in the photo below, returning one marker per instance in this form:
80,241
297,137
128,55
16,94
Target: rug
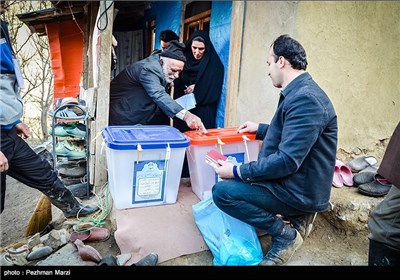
168,230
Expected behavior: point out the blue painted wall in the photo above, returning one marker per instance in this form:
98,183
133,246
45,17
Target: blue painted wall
167,15
220,33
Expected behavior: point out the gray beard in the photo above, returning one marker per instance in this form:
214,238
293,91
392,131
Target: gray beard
166,76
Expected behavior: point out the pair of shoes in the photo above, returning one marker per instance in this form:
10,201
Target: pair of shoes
72,171
149,260
303,224
360,163
66,149
379,186
68,181
72,129
342,175
58,130
92,235
281,250
362,178
77,130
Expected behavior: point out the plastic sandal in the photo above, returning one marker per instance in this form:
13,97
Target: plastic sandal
337,179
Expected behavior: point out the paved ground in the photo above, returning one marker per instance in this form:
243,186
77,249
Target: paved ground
339,236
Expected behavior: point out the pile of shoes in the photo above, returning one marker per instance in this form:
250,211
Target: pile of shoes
368,181
90,254
70,144
38,246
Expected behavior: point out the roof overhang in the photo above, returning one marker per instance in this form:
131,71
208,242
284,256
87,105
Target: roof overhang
61,11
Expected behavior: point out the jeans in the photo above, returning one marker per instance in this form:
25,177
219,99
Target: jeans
252,204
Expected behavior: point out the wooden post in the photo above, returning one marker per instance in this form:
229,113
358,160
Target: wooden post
171,120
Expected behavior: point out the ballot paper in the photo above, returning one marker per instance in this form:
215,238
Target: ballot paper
187,101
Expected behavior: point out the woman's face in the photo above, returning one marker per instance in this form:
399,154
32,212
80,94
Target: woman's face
198,49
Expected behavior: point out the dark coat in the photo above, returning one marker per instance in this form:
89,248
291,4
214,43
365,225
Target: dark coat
136,92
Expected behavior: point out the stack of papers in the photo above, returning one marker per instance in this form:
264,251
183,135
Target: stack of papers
212,158
187,101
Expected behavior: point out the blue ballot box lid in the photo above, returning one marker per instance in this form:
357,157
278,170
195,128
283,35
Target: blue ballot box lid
123,137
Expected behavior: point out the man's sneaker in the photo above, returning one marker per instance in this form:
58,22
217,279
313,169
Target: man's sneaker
281,250
303,224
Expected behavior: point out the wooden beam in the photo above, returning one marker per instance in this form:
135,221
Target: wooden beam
234,63
103,87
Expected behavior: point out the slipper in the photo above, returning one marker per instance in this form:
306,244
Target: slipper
93,235
87,252
345,174
360,163
379,187
362,178
337,179
371,168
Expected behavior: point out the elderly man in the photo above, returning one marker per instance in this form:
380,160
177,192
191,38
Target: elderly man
136,92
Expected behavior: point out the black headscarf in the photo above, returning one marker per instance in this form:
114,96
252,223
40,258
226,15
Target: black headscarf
208,76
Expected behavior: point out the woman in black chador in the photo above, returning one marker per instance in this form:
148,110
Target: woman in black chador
203,74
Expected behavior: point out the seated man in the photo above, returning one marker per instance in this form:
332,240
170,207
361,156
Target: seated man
292,176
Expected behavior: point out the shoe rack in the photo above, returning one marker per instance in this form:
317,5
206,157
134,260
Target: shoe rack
63,115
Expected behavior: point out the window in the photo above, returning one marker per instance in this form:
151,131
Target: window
197,17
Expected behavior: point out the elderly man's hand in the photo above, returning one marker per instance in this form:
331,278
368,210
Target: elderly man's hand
194,122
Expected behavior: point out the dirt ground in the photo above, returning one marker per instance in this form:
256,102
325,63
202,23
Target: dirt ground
327,245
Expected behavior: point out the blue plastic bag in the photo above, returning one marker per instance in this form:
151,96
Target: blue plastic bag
231,241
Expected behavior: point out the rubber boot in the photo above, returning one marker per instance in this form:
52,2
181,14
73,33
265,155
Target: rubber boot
62,198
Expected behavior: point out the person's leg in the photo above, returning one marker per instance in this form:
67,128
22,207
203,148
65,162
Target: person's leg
380,254
5,142
303,223
31,169
257,206
3,190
